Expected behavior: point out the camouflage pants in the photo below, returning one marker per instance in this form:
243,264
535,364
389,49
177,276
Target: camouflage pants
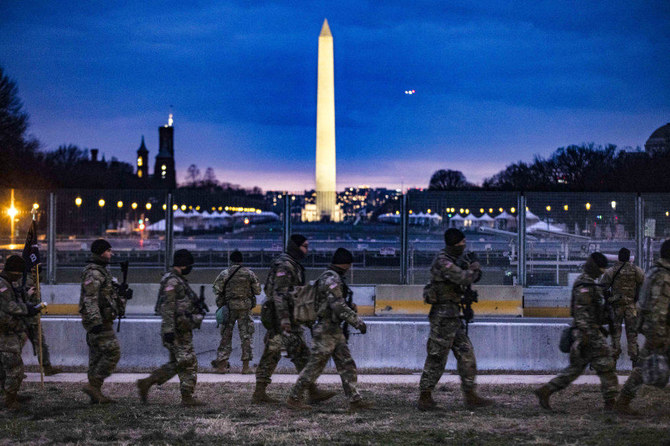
104,353
627,313
183,363
448,333
595,352
634,381
328,341
245,325
33,338
295,346
11,371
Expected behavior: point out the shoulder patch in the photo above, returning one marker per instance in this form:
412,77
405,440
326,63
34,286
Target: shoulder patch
169,287
88,281
333,285
281,273
3,289
583,290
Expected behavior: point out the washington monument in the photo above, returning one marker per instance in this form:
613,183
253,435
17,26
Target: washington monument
326,207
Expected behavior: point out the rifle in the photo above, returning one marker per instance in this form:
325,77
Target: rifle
469,296
200,303
349,300
123,292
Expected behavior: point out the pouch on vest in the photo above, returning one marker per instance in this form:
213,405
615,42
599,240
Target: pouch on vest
269,315
304,303
566,340
429,294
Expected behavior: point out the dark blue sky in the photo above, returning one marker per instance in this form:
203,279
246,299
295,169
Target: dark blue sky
494,83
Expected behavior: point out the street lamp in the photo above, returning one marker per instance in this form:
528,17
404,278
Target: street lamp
119,204
101,203
148,206
77,201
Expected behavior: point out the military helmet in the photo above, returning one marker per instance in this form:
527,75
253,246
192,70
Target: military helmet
655,370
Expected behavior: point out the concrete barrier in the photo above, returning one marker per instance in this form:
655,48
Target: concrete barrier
515,345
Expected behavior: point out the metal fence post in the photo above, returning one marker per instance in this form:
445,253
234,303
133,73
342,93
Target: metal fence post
287,220
521,240
639,231
404,240
169,230
51,241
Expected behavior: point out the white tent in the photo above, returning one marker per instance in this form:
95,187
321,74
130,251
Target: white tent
531,218
505,221
545,227
159,226
486,220
456,221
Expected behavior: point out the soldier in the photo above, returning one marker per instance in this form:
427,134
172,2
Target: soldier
13,312
236,287
181,313
450,272
625,279
32,333
285,273
328,338
654,306
99,305
590,344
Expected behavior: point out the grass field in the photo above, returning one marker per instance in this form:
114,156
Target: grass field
60,414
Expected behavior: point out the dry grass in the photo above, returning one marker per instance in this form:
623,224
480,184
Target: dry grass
61,415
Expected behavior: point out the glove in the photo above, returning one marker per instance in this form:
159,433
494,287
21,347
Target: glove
96,329
32,311
129,294
362,327
168,338
475,266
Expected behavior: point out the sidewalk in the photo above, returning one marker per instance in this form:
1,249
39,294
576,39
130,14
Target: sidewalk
324,379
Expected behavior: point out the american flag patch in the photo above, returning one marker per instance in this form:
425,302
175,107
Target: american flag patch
169,288
88,281
583,290
334,285
3,289
281,273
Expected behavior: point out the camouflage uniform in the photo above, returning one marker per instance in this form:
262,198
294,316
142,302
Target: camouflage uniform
32,334
99,305
180,316
240,296
285,273
328,339
12,327
590,345
624,292
446,328
655,321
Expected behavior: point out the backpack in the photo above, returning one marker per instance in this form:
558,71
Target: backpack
304,303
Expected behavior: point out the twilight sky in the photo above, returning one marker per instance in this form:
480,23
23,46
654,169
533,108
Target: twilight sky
495,83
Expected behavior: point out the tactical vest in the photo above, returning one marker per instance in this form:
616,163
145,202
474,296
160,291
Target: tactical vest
107,299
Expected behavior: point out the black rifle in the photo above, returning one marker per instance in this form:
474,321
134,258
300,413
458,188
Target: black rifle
200,303
123,291
469,296
349,300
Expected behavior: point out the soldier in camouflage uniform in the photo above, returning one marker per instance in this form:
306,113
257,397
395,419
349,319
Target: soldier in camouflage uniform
13,312
654,310
589,345
285,273
99,305
180,312
450,272
625,279
236,287
328,340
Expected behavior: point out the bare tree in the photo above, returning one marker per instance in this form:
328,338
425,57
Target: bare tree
448,180
192,175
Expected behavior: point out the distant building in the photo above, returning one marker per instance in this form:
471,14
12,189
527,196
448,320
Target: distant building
659,141
164,170
143,161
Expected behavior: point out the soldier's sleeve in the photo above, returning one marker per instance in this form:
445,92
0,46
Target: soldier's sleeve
283,282
639,276
583,296
448,270
255,284
218,287
331,287
90,310
660,298
10,306
169,308
606,278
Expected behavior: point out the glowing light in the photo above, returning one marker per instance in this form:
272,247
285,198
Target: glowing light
170,120
139,161
410,92
134,205
246,221
548,208
77,201
613,204
429,211
119,204
481,210
175,207
183,207
101,203
467,211
491,210
148,206
588,206
12,212
164,206
512,210
36,206
142,226
565,207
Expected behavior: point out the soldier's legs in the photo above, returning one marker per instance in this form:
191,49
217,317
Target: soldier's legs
105,352
12,369
604,367
226,344
322,349
245,325
571,372
187,368
442,335
616,332
346,367
296,349
464,353
634,381
165,372
269,359
630,316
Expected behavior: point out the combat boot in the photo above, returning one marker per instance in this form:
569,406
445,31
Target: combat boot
189,401
143,386
297,404
609,405
221,367
246,370
260,397
11,401
472,400
543,393
317,396
361,404
50,370
93,392
426,401
622,406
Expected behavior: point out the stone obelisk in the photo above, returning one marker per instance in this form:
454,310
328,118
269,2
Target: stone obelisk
325,128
